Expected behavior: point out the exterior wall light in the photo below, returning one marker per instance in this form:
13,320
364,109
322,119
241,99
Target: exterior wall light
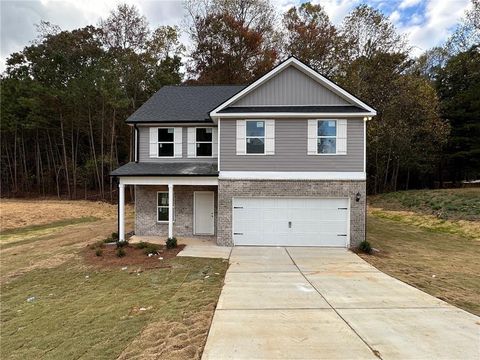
357,197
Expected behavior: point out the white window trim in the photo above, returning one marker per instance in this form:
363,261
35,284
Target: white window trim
166,142
203,142
165,206
328,137
255,137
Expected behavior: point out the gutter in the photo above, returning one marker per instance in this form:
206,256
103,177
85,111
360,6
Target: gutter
163,175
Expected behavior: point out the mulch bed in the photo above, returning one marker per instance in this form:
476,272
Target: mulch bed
133,257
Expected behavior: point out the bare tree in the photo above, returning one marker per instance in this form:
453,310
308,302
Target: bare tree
367,32
125,29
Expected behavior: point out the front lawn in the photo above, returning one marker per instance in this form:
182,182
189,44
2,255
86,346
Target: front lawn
74,311
436,255
57,304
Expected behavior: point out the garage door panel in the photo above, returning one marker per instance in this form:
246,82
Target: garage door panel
319,226
290,221
273,226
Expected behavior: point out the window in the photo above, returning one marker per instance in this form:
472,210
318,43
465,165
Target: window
203,142
166,142
327,137
162,207
255,137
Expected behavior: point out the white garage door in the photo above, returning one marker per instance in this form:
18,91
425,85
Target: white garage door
290,222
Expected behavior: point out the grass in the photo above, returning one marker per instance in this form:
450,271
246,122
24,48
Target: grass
33,232
452,211
82,312
442,264
446,204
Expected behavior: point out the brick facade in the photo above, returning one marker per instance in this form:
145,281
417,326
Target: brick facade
227,189
146,205
146,211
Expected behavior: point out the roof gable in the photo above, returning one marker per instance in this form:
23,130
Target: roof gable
291,86
292,83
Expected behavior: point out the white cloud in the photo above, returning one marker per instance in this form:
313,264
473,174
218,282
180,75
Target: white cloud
337,9
395,17
416,19
409,3
439,20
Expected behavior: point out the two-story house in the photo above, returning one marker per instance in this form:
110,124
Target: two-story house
278,162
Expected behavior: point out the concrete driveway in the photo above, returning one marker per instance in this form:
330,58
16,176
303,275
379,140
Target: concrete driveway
317,303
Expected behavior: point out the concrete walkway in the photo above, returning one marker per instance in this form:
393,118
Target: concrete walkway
317,303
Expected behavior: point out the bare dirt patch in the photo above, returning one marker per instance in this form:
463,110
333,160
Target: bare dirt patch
172,340
16,213
134,257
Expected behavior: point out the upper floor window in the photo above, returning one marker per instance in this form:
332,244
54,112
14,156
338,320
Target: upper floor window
327,137
166,147
203,142
255,137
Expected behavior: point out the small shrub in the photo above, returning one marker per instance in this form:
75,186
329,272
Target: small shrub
121,244
148,248
121,252
99,252
108,240
114,236
140,245
151,249
365,247
97,245
171,243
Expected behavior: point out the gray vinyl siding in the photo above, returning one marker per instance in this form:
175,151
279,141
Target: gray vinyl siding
291,87
291,150
144,146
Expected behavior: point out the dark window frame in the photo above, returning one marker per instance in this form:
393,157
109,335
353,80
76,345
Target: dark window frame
327,136
203,142
247,137
165,206
166,142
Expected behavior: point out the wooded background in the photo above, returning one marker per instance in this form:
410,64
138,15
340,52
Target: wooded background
65,97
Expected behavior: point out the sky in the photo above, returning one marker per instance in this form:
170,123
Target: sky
426,23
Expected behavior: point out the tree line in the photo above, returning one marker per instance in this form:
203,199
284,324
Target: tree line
65,97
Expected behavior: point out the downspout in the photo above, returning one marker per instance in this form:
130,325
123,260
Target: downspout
135,143
115,179
365,120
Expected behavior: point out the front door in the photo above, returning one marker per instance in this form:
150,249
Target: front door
204,213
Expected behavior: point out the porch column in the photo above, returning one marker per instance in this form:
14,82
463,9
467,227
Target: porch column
170,210
121,212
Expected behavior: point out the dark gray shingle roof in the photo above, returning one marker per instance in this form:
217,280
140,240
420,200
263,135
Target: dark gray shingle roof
183,103
167,169
301,109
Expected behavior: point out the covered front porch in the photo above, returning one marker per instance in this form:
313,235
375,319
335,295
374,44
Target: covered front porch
179,204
